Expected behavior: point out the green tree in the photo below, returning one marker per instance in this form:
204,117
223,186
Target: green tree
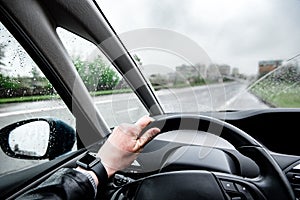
97,74
108,78
8,83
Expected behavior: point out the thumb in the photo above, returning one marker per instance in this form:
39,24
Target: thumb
143,122
146,137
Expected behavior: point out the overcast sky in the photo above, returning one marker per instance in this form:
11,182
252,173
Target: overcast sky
235,32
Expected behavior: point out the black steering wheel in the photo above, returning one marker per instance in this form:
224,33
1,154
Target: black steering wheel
270,184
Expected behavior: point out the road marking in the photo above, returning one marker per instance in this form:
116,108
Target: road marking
22,112
229,102
31,111
114,101
103,101
128,110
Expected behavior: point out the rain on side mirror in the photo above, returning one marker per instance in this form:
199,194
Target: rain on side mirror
36,139
30,139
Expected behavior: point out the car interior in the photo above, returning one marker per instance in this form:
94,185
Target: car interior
233,154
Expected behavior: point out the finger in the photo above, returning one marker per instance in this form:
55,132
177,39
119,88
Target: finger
126,129
146,137
144,121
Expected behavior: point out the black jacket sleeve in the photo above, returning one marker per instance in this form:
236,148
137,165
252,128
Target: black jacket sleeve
64,184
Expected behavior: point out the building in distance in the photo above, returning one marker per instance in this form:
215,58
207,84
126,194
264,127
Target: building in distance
266,66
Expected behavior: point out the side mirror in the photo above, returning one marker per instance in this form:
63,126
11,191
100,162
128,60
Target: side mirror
36,139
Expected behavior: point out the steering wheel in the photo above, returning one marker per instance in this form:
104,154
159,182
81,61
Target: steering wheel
271,183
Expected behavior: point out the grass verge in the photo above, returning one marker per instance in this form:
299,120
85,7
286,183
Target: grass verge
278,94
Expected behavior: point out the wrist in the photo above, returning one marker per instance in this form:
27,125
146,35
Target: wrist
110,171
89,172
91,177
94,167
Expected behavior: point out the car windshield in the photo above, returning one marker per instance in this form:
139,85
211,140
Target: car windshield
213,55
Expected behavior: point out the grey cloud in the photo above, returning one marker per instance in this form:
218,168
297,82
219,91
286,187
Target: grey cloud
267,29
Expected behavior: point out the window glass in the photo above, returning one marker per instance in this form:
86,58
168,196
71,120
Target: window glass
111,94
25,93
253,59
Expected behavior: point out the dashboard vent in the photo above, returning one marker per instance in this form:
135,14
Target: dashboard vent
293,176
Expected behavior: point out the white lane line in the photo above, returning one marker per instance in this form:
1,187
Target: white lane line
113,101
103,101
128,110
31,111
229,102
22,112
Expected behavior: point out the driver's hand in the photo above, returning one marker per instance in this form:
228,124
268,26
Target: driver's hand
124,144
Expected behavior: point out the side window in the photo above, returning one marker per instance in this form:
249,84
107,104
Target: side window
25,93
111,94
